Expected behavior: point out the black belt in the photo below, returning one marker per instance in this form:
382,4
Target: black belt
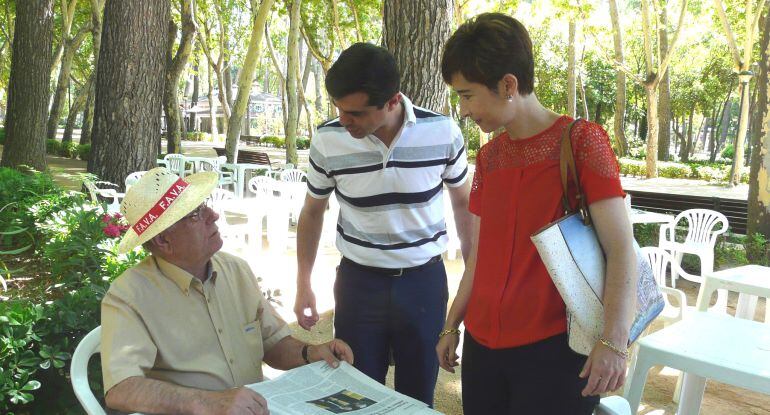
392,272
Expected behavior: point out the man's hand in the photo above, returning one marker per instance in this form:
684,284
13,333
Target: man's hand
233,402
605,369
305,300
332,352
446,349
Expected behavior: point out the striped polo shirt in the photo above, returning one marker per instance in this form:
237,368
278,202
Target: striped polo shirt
391,198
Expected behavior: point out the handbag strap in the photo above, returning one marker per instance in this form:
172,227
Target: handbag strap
567,166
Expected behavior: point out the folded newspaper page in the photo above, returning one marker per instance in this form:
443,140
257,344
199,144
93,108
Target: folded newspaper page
319,389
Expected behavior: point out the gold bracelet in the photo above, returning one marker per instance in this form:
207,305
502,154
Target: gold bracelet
617,350
448,331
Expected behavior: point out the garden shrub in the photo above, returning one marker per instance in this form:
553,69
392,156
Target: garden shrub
303,143
68,149
84,152
728,153
674,170
52,147
272,141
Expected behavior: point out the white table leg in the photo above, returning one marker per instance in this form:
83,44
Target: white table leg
690,399
239,186
747,303
635,387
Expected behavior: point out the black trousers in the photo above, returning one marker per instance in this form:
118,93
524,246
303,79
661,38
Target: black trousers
538,378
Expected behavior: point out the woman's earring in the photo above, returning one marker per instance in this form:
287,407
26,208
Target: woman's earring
510,98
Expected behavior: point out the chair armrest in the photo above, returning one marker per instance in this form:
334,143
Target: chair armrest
680,296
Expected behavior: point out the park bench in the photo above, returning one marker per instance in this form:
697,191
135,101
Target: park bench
248,156
735,210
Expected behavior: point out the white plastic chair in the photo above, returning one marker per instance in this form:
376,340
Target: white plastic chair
177,163
225,177
79,372
132,178
262,187
613,405
453,240
700,240
100,189
293,176
659,260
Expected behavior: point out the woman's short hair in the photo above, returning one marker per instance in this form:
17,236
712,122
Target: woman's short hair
487,47
366,68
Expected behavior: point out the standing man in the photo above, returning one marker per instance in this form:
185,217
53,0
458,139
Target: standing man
388,161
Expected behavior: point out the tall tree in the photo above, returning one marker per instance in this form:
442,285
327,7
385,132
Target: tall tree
620,82
129,88
742,64
28,87
71,46
571,70
259,13
174,67
664,97
759,176
97,13
77,106
293,84
417,47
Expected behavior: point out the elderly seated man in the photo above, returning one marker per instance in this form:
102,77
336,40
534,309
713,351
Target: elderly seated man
186,328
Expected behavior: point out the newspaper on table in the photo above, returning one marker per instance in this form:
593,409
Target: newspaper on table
319,389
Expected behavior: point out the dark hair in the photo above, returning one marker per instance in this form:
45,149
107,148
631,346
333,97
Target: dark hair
366,68
486,48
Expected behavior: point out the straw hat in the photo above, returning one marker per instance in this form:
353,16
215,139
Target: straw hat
158,200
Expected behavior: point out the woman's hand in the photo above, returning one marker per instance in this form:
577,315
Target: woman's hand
606,371
446,349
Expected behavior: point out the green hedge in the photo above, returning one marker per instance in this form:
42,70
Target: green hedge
70,149
272,141
712,172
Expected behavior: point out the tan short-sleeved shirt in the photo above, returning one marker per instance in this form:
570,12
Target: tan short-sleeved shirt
160,322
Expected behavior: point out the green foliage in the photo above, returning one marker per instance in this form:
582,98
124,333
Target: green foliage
53,147
2,136
729,152
68,149
303,143
674,170
272,141
198,136
757,249
84,152
711,172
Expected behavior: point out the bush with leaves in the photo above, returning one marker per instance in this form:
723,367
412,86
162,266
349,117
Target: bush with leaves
84,152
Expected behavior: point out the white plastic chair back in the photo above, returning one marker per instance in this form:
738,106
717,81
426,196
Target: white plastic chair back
132,178
701,226
79,372
659,260
262,186
106,190
293,175
176,163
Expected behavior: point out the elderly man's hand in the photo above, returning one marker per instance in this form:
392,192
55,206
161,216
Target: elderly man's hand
332,352
233,401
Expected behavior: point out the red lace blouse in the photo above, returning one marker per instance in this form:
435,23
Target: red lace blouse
516,191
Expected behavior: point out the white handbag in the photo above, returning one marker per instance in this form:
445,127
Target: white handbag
575,261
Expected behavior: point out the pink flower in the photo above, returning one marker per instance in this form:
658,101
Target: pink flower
106,218
113,231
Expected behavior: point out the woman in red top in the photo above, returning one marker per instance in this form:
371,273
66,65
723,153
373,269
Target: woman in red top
516,357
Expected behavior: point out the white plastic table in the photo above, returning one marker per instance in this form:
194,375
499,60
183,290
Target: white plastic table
706,345
750,281
240,173
643,216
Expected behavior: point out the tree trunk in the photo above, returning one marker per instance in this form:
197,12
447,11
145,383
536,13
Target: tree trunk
416,31
664,94
759,175
75,109
259,19
129,88
620,83
28,85
571,84
174,68
652,132
743,122
292,83
318,81
70,48
213,127
686,147
97,12
86,128
723,128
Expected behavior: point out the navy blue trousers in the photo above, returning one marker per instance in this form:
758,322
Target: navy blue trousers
376,314
537,378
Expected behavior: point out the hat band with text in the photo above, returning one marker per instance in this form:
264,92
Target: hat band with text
160,207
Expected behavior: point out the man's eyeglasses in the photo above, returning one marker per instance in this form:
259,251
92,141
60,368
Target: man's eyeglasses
197,213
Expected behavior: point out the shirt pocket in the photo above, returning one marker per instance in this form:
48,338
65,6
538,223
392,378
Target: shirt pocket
252,334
